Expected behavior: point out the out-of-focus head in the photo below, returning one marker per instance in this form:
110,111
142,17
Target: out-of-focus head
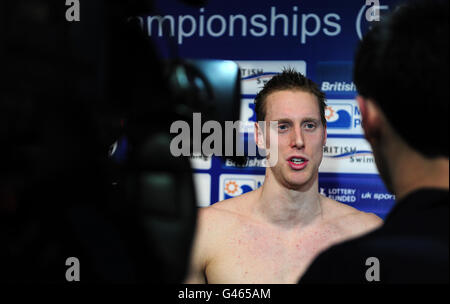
402,65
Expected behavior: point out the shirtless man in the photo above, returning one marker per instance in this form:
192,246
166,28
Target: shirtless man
272,234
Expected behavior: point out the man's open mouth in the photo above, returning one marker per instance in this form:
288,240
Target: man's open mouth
297,163
297,160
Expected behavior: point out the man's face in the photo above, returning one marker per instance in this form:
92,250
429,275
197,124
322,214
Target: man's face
301,137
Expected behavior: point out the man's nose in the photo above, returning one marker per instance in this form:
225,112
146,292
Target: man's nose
297,138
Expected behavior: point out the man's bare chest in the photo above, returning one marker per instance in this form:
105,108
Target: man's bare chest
262,256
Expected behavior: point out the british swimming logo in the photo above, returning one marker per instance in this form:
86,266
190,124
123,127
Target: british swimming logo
255,73
347,155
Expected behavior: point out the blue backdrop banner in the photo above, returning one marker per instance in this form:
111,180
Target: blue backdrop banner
316,37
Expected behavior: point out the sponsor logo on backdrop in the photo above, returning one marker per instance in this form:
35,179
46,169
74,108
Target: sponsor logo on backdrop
364,193
339,116
351,153
255,73
343,117
352,195
251,162
234,185
202,184
338,86
343,195
247,115
348,155
335,78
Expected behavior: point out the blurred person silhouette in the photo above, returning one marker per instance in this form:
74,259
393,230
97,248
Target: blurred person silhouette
68,87
401,73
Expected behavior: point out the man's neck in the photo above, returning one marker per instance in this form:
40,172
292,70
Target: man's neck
287,208
411,171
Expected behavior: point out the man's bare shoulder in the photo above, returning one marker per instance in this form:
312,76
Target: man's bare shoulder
216,222
227,211
350,219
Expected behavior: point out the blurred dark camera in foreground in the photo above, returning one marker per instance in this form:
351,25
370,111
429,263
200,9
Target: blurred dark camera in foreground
71,90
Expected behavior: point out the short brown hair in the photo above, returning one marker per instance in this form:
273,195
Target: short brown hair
289,79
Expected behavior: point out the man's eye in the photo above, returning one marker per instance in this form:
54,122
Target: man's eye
310,125
282,127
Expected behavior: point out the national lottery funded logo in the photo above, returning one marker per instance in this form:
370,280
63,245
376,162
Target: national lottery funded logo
233,185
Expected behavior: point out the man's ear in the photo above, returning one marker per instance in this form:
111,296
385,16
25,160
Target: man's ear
371,118
259,136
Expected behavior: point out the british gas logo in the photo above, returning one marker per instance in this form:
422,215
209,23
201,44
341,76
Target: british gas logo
343,118
247,116
248,113
234,185
339,116
231,187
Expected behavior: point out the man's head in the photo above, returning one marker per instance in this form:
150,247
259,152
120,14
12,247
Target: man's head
291,80
401,67
297,106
